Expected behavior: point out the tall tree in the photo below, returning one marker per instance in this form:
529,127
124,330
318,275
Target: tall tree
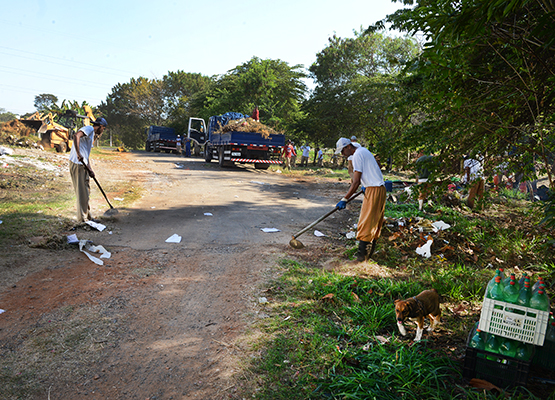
356,87
486,76
45,102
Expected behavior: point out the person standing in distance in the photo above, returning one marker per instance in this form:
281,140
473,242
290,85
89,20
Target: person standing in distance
80,167
367,174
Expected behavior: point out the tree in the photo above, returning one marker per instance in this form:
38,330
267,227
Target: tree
356,85
486,78
6,116
45,102
273,86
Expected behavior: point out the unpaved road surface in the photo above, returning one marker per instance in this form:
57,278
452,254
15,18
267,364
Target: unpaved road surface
172,318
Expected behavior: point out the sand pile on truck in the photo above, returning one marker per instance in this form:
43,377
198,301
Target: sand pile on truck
247,125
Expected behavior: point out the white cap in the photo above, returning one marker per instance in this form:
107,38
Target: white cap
341,144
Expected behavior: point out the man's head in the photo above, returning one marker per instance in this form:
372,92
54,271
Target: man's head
353,138
99,124
343,146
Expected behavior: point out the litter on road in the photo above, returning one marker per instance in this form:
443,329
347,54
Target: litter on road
426,249
86,245
175,238
318,233
118,199
208,214
270,230
257,182
2,311
96,225
72,239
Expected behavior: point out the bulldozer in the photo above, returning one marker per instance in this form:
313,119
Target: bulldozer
58,134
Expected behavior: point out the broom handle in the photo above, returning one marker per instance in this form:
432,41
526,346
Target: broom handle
323,217
97,184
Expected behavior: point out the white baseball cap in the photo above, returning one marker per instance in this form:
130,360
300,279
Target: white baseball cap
341,144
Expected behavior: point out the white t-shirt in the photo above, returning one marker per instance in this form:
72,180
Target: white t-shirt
475,169
85,145
357,145
320,154
306,151
364,162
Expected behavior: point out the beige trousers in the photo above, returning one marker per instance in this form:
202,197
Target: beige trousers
80,179
372,213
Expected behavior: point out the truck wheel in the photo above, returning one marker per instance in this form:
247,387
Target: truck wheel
63,147
221,158
58,148
196,150
207,154
261,166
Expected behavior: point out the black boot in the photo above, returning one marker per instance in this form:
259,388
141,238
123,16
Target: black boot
362,253
372,249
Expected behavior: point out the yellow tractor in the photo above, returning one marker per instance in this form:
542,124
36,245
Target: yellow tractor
54,134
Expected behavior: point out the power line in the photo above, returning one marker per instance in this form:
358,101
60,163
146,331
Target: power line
55,78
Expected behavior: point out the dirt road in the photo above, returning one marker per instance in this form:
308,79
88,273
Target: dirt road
171,318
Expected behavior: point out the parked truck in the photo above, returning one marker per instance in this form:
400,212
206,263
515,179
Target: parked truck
160,138
197,134
234,146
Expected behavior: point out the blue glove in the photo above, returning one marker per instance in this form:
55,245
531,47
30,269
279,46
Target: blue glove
341,205
363,189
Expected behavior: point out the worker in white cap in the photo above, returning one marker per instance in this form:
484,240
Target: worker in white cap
367,174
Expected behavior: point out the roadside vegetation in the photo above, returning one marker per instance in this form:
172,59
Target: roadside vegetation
331,333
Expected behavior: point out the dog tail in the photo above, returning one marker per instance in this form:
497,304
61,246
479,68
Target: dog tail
439,295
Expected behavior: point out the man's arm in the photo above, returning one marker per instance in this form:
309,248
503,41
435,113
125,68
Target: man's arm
77,142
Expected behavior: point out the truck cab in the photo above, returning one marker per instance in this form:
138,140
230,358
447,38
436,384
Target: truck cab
198,134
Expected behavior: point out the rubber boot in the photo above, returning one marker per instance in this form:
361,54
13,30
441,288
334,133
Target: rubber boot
362,253
372,249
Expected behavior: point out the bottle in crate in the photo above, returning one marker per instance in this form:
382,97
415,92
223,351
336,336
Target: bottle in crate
523,279
539,300
511,292
550,335
537,285
492,282
507,347
477,340
524,351
496,292
492,343
524,295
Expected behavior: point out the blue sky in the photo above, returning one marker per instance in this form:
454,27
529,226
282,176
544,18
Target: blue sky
80,50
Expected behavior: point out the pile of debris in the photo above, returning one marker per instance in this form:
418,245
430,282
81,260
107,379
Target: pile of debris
15,133
248,125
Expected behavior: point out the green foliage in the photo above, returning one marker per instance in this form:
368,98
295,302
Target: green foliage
6,116
45,102
356,85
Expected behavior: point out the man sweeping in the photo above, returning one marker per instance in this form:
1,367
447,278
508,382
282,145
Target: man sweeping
80,167
367,174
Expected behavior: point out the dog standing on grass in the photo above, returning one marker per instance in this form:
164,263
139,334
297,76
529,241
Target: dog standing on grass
426,304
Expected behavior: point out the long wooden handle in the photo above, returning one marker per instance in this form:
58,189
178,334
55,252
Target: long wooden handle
323,217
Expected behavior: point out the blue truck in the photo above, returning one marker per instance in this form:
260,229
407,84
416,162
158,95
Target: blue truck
161,138
231,147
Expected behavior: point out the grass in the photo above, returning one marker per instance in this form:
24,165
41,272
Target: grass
333,335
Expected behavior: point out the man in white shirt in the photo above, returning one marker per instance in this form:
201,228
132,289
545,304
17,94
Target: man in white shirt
367,174
80,167
305,155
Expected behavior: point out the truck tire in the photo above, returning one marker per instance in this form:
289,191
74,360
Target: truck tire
207,154
261,166
196,150
58,148
221,158
63,147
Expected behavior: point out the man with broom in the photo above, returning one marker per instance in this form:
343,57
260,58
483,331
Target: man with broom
80,167
368,174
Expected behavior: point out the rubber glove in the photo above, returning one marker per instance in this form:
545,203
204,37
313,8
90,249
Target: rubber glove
341,205
363,189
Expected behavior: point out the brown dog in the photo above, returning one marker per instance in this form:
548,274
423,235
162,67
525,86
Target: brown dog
418,307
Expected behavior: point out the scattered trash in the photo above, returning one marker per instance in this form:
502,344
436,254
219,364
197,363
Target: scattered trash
257,182
118,199
440,226
72,239
426,249
6,151
175,238
96,225
180,166
152,207
351,235
1,221
286,318
208,214
270,230
87,245
382,339
2,311
318,233
262,300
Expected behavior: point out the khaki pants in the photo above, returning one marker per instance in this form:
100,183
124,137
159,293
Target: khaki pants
372,213
80,179
476,191
287,162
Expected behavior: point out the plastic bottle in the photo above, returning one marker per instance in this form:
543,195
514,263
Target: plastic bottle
477,340
539,301
502,273
492,282
508,279
492,344
523,279
496,292
524,351
507,347
537,285
511,292
524,295
550,335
